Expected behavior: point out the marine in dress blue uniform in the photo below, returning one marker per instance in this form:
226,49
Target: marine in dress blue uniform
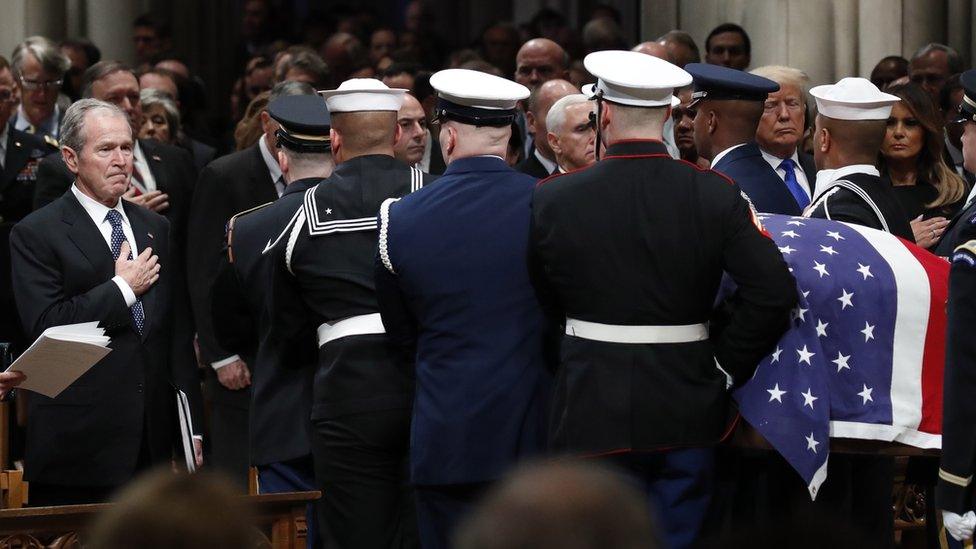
455,297
281,389
322,286
717,88
630,253
954,491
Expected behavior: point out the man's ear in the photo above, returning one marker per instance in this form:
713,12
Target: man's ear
530,122
712,122
335,143
265,120
824,140
283,162
554,144
397,133
70,159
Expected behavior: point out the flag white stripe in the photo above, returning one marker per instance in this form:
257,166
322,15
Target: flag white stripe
911,325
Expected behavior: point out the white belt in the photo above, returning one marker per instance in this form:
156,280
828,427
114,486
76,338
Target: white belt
613,333
354,325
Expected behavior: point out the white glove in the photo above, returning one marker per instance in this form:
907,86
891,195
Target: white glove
960,527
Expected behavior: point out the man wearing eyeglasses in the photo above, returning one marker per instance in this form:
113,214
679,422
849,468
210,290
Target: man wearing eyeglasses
38,68
19,155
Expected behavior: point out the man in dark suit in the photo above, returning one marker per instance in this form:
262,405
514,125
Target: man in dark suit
781,129
90,256
541,161
162,177
19,154
466,320
730,105
229,185
281,388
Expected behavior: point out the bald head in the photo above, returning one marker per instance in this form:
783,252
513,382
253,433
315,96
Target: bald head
540,101
654,49
560,505
839,143
721,124
538,60
361,133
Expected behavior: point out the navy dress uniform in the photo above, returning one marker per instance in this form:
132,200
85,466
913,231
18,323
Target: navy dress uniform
744,162
455,296
641,379
18,176
322,286
281,390
954,491
856,193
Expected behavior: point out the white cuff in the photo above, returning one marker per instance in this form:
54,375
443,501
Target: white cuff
198,437
224,362
127,293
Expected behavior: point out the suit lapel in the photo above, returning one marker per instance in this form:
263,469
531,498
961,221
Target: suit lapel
86,236
261,183
156,166
16,158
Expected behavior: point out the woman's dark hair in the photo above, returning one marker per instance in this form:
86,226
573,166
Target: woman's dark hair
931,165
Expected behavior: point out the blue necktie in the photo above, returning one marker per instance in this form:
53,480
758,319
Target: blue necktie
793,185
118,237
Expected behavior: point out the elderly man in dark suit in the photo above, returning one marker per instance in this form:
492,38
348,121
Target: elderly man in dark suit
90,256
228,185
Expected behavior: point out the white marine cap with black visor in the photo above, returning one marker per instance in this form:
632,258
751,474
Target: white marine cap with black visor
476,98
633,79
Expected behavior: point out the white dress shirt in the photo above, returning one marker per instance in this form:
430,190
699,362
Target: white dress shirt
140,163
97,211
273,168
775,161
722,154
549,165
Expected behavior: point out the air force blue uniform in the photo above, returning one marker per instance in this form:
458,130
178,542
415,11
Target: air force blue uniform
746,166
454,293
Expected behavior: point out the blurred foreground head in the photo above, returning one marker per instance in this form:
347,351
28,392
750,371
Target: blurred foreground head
565,505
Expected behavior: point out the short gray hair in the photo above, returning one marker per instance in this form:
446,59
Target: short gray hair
952,56
150,97
557,113
290,87
47,53
73,124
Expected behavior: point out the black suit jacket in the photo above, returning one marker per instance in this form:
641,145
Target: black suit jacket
171,167
533,167
228,185
17,180
281,389
92,433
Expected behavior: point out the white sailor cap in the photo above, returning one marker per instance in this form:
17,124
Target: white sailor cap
475,97
633,78
363,94
853,99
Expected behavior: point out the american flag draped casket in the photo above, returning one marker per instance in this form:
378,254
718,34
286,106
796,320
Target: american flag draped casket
864,355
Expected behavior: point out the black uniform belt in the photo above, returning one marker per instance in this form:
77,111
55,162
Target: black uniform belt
616,333
352,326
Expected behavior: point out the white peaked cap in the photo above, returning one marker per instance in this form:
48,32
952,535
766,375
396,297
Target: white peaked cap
363,94
477,89
853,99
633,78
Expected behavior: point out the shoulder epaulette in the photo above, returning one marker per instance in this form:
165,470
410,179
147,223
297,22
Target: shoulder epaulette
51,141
966,253
230,228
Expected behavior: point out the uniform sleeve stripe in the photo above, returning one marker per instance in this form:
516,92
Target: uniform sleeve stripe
955,479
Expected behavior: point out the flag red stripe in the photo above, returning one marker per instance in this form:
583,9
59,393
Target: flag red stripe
933,358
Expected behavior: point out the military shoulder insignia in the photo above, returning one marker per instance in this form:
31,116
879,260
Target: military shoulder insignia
965,254
51,141
229,234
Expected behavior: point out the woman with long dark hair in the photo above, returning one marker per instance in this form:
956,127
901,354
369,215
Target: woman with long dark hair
928,189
